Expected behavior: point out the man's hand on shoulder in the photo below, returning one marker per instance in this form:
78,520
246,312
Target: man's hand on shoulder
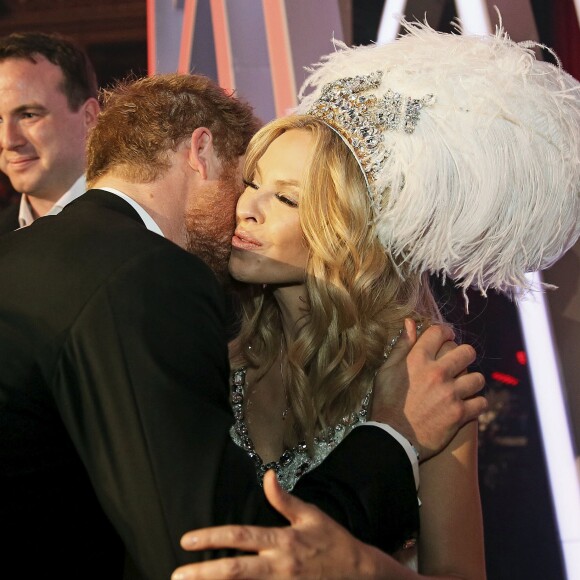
423,390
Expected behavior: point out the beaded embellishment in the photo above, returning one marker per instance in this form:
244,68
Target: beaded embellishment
295,462
360,118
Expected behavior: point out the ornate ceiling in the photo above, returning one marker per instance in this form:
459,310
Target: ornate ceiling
88,21
112,32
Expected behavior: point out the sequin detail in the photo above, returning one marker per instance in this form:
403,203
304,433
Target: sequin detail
389,348
361,118
295,462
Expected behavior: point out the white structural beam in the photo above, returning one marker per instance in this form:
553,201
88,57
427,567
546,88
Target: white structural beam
550,397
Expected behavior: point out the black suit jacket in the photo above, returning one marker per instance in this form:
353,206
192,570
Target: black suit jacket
9,218
114,412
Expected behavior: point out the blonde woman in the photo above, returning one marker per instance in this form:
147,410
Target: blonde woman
314,336
437,153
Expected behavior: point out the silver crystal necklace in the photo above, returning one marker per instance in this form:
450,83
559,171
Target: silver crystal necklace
297,461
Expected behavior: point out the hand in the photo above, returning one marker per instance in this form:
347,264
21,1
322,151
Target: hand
313,546
423,392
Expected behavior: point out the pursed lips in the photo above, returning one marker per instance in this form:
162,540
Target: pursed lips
242,241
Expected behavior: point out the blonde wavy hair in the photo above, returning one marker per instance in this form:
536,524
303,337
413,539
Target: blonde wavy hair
356,301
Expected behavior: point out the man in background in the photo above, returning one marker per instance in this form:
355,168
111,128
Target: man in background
48,103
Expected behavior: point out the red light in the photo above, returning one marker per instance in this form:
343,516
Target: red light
505,379
521,357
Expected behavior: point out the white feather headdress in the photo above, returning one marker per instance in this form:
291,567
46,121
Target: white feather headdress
472,154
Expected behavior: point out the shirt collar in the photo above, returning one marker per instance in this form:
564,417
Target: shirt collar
25,217
149,222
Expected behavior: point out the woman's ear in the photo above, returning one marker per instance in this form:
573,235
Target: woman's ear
201,151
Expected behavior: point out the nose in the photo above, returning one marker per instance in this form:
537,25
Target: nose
250,206
11,136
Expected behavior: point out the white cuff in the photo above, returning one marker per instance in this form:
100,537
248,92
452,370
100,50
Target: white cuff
405,443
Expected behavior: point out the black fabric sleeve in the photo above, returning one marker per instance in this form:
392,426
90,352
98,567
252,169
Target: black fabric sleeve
367,485
142,388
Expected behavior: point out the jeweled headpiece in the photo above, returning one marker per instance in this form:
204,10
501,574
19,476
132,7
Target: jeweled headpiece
360,117
470,148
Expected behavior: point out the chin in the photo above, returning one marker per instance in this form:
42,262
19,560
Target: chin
240,274
242,271
17,183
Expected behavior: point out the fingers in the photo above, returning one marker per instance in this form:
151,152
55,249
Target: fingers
468,385
292,508
245,538
411,331
447,347
253,538
457,359
433,338
403,345
225,568
470,406
279,500
474,407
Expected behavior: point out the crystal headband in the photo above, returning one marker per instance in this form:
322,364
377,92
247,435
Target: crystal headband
360,119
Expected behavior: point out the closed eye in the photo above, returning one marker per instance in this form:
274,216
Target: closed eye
286,200
250,184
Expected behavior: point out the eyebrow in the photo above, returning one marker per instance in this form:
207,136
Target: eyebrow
281,182
28,107
287,183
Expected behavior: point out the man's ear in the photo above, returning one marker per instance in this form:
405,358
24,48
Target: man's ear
200,154
90,109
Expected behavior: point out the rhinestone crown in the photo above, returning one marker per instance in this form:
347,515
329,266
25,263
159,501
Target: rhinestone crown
361,118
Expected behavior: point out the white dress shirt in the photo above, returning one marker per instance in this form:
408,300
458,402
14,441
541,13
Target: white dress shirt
25,217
